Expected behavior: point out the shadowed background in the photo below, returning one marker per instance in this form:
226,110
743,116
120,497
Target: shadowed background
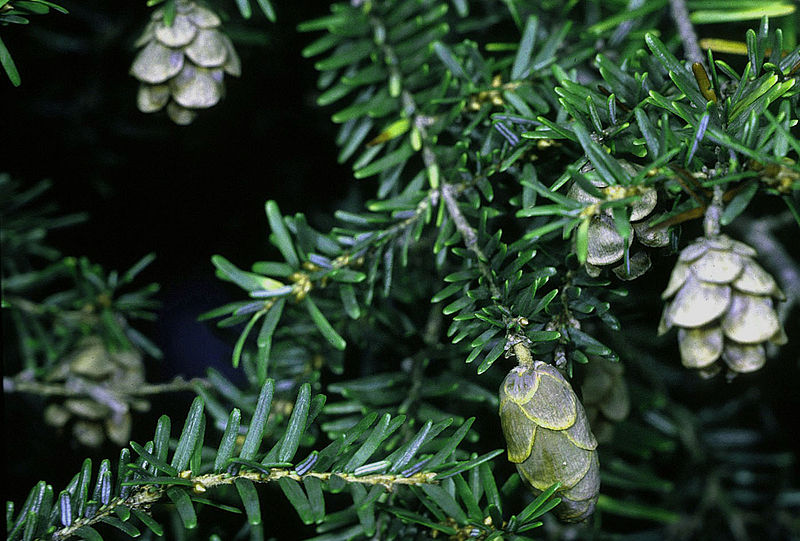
184,193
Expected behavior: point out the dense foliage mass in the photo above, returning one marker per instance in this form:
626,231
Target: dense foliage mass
470,346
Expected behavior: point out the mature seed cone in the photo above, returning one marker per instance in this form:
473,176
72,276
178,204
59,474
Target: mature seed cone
722,301
549,439
605,396
182,66
606,246
104,378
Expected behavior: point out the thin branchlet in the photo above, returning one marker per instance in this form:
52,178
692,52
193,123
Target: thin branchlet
713,213
691,46
22,383
470,238
523,354
144,496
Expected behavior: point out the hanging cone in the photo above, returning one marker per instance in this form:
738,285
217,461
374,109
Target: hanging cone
549,439
182,66
723,304
606,246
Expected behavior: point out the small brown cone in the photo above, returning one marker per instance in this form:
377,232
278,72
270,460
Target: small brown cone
102,409
605,396
606,247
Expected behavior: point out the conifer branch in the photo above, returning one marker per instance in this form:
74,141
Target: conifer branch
144,496
419,121
387,481
420,103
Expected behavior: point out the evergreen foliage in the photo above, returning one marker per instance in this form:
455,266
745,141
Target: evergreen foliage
514,151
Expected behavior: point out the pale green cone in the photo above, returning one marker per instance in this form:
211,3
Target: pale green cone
181,67
548,437
723,304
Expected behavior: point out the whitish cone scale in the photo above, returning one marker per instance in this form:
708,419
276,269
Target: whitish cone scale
182,66
549,439
723,304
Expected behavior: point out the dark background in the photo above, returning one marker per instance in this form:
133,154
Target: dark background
148,185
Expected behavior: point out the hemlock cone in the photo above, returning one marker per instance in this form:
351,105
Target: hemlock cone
549,439
183,66
722,302
605,245
103,377
605,396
